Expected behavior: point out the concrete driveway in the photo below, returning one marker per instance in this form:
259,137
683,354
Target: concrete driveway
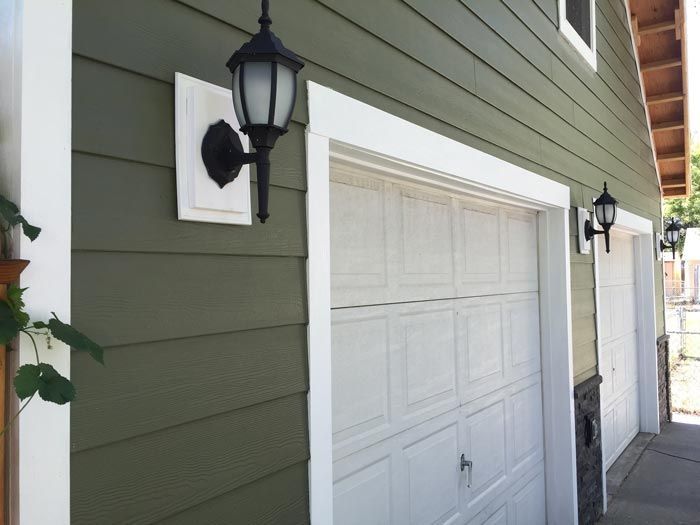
663,487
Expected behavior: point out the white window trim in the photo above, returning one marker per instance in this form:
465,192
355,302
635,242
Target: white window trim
645,257
566,29
338,122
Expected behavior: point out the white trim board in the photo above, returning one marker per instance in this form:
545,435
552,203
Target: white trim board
589,54
342,126
644,251
36,52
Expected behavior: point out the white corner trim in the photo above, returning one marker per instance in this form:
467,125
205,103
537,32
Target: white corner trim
349,121
573,38
36,62
338,123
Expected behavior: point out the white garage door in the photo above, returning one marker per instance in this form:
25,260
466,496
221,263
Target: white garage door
435,354
618,327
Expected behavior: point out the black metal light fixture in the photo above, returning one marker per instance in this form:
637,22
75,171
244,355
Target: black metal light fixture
673,234
264,91
605,209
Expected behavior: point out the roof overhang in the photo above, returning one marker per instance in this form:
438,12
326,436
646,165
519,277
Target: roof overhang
660,36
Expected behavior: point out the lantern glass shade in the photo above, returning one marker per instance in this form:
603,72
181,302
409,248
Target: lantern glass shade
672,235
254,85
605,214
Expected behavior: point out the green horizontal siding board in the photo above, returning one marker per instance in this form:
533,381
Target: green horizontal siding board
123,298
574,76
152,386
619,45
151,477
619,30
120,114
585,358
281,498
582,303
581,276
583,376
127,206
612,67
549,8
509,97
583,330
510,27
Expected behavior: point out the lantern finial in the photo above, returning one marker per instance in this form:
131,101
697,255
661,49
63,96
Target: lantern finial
265,21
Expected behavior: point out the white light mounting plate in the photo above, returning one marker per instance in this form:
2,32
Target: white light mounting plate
659,251
584,246
199,104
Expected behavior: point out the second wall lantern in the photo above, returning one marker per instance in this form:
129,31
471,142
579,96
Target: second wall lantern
605,210
673,235
264,92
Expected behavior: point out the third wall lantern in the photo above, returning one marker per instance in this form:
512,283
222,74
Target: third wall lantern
673,233
264,91
605,209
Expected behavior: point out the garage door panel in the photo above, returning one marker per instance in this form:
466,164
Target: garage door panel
481,233
360,341
528,445
429,357
358,243
527,507
364,496
433,477
523,318
519,242
424,236
481,325
395,242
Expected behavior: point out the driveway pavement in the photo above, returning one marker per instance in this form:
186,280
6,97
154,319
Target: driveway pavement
663,487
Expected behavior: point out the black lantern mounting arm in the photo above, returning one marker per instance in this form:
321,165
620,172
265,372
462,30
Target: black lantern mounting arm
264,83
605,210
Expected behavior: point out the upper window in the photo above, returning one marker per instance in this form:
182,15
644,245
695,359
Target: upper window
577,24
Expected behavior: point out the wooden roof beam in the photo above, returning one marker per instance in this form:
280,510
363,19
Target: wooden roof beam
670,157
668,126
662,64
651,29
663,98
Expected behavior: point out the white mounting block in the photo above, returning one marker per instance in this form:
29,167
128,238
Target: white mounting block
659,251
584,246
199,104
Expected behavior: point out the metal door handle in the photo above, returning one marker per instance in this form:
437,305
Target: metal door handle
463,462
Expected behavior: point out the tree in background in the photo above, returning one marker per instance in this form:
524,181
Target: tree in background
687,209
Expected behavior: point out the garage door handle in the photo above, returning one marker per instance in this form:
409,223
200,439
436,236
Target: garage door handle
463,462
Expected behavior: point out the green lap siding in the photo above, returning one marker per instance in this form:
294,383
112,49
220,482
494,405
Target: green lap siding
200,413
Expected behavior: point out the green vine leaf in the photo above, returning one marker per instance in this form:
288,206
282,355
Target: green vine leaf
16,302
30,231
9,325
10,212
27,380
54,387
72,337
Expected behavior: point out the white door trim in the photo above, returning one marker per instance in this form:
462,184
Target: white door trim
341,125
644,251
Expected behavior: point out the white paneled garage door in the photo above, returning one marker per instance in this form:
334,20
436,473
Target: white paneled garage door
618,352
435,354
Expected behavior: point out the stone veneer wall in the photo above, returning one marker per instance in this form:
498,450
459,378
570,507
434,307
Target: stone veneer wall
589,457
662,349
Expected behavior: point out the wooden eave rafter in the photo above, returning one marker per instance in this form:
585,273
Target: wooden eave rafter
659,35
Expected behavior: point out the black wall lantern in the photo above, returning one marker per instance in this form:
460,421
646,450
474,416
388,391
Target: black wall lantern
605,209
673,234
264,91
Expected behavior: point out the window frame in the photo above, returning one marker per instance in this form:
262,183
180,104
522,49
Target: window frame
572,37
